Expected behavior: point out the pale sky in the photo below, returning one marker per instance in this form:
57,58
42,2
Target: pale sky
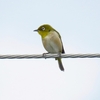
78,22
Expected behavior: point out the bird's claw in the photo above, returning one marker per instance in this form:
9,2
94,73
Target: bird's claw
59,54
44,55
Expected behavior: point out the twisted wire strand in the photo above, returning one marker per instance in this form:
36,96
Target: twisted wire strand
36,56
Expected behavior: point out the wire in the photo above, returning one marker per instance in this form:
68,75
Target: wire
31,56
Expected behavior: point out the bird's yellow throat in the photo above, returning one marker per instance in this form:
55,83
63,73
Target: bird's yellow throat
43,34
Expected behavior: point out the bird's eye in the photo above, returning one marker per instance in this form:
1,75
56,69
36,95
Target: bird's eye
43,28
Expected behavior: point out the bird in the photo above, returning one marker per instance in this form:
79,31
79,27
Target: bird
52,42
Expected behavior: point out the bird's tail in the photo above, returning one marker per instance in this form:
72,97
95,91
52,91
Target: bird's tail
60,64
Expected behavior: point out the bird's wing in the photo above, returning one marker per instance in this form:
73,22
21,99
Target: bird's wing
63,51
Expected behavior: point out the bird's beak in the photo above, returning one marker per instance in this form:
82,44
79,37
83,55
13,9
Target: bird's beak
36,30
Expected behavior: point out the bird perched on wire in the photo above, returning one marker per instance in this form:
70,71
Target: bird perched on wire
52,42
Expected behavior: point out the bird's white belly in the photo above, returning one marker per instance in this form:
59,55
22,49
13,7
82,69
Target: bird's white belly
50,45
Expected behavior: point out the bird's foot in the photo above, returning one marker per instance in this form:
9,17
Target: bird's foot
44,55
59,54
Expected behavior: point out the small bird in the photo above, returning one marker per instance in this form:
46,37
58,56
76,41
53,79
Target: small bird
52,42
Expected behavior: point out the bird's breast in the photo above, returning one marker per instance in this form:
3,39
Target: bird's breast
52,43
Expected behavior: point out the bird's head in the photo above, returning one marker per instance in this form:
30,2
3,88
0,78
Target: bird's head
44,30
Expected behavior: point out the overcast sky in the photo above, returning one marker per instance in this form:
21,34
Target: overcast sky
78,22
